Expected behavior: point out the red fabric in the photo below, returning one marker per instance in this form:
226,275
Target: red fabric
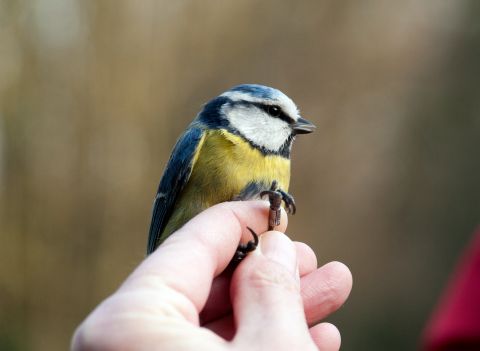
455,325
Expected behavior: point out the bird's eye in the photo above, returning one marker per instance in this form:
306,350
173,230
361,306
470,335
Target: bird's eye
274,111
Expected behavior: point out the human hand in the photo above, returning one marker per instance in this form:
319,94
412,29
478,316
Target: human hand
179,299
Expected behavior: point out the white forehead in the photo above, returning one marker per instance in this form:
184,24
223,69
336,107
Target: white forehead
275,97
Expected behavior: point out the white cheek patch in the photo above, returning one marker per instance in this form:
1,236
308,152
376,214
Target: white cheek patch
259,127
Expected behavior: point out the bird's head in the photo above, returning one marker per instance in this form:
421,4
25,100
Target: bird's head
264,116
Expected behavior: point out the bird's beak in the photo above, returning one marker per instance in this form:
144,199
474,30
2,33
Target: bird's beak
303,126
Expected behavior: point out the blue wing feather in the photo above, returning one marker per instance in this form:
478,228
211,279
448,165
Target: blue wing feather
174,178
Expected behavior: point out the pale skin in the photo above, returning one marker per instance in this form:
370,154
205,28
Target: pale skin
179,299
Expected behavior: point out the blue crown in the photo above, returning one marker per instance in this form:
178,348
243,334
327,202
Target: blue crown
257,90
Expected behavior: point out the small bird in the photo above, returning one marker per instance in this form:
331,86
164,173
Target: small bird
237,148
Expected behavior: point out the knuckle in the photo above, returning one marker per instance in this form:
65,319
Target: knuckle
273,275
332,293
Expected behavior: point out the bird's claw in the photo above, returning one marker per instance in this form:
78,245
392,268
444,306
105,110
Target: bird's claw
289,202
244,249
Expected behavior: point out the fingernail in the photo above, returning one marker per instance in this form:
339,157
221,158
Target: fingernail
279,248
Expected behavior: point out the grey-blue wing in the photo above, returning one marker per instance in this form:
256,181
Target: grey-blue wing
174,178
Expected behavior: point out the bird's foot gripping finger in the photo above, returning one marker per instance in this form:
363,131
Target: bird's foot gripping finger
275,197
289,201
244,249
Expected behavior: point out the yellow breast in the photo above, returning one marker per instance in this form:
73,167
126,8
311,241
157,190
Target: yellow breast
225,164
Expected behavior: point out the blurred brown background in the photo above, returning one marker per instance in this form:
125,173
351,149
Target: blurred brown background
93,95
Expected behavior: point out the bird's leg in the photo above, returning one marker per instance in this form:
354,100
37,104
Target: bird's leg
275,197
244,249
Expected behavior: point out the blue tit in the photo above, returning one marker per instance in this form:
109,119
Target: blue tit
235,148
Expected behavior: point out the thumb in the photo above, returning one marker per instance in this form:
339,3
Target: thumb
266,298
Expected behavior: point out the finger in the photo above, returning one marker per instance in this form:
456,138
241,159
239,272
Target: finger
325,290
188,260
326,336
266,296
218,303
307,260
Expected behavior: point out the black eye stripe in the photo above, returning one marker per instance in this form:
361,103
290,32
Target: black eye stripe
267,108
273,112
